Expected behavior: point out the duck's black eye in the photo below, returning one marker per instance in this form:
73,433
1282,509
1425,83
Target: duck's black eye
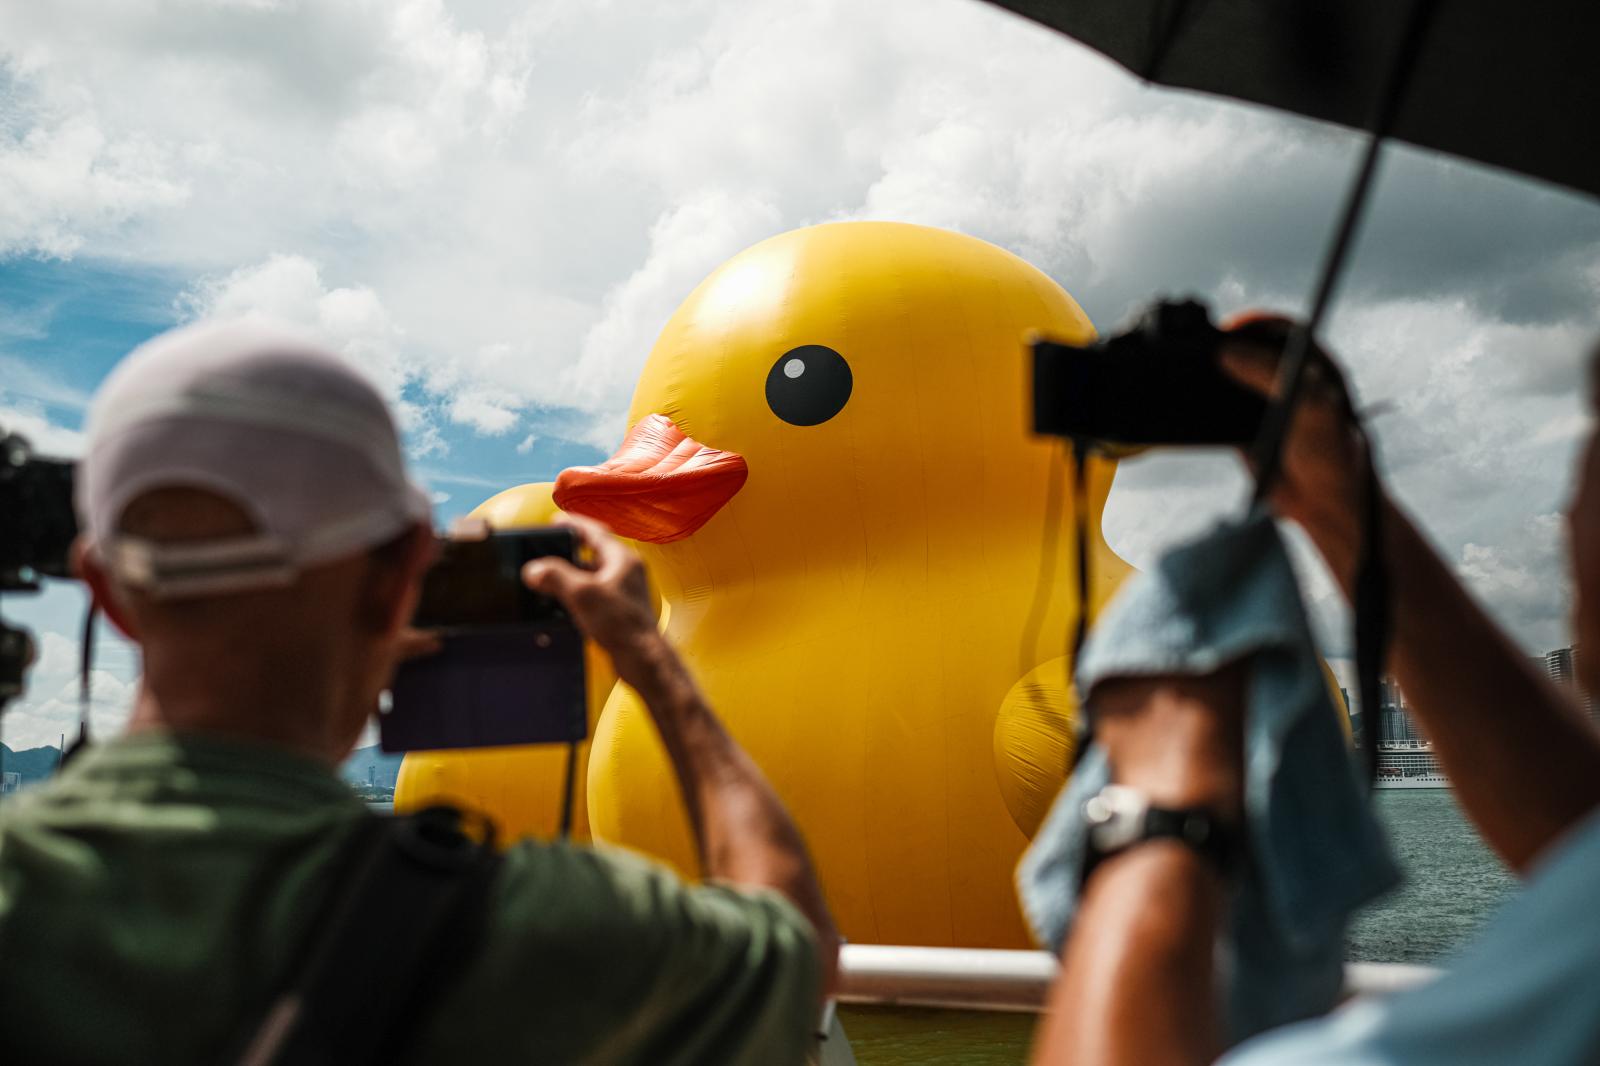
808,385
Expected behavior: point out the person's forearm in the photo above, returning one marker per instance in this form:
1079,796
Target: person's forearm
1136,974
744,834
1524,762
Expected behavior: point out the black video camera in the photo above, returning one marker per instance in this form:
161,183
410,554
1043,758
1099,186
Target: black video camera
1156,382
37,524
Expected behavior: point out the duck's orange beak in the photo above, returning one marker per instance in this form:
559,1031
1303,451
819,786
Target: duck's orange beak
661,486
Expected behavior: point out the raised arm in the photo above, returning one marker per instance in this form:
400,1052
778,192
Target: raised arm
744,835
1136,982
1524,762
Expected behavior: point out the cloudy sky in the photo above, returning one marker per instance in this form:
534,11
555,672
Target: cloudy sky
494,206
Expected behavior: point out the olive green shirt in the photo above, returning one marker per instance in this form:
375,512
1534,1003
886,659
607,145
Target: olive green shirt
153,893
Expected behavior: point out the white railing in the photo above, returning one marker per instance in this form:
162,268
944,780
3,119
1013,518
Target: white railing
991,979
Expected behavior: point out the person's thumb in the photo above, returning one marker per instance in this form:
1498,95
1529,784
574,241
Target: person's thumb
1251,367
1252,344
550,576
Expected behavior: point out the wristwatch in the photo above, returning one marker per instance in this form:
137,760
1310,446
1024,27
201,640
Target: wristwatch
1120,817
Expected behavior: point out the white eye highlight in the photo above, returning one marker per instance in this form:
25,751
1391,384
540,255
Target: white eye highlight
794,368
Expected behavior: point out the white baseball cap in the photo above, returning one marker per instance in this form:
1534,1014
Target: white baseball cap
263,416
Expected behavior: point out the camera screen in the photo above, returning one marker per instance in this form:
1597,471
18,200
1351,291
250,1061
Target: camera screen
477,584
488,689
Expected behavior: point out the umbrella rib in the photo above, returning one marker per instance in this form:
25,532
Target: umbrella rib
1162,37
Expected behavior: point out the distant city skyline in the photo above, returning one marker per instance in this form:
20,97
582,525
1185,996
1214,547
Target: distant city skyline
1561,665
1394,724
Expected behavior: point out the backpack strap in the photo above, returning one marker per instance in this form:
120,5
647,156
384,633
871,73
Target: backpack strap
405,916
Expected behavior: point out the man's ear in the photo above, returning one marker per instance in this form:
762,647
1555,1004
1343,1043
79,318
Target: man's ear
102,589
394,579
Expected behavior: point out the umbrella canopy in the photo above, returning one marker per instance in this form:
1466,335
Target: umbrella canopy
1509,84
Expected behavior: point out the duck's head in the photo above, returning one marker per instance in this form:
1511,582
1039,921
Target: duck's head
836,397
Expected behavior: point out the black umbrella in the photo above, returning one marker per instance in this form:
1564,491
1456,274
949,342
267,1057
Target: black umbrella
1512,85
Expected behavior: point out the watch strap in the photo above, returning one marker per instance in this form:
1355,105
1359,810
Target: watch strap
1207,834
1196,827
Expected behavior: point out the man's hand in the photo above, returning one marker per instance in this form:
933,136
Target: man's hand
610,602
1322,485
1458,671
1179,740
411,643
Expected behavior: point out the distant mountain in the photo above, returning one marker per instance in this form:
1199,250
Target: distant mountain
34,764
385,768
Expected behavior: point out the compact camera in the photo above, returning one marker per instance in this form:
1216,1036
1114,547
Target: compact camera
1156,382
37,526
511,669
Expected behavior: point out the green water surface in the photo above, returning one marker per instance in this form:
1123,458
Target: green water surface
901,1036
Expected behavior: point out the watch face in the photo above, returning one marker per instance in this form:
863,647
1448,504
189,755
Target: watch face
1116,816
1096,810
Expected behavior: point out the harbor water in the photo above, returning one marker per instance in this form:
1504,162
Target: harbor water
1453,884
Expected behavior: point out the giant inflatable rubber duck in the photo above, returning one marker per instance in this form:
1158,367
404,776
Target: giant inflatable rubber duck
830,476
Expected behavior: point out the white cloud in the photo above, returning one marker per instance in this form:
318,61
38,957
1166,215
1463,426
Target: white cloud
484,411
437,87
63,182
46,437
1517,582
686,244
494,207
526,444
290,288
51,706
1166,496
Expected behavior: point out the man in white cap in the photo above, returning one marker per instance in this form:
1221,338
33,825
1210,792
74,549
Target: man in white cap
247,521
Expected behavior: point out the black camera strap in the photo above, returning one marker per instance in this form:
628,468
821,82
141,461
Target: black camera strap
1373,621
406,914
91,615
1084,729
